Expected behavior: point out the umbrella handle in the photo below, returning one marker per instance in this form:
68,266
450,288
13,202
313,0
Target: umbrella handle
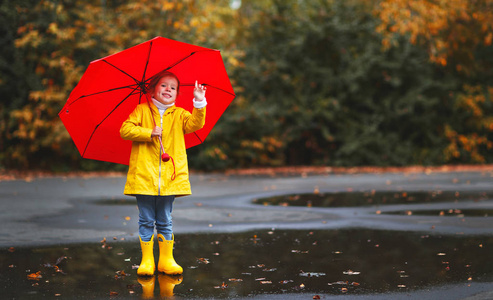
164,156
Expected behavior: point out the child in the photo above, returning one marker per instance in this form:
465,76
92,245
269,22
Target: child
153,181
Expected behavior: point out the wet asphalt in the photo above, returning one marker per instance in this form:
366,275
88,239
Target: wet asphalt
63,210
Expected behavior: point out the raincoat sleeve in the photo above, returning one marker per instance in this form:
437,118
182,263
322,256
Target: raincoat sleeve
194,121
132,128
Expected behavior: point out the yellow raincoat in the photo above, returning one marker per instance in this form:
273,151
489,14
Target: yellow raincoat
147,173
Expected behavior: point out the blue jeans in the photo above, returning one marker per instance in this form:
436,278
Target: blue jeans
155,211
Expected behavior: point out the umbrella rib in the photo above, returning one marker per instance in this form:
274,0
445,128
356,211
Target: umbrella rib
147,62
97,126
107,91
201,141
136,81
181,60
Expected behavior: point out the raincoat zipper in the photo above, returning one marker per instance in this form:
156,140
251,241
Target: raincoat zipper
160,162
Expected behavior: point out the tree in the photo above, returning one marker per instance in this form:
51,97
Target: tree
54,41
458,36
316,88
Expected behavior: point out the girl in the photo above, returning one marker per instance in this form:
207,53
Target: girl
154,181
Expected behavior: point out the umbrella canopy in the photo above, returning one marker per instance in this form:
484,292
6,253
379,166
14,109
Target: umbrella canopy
113,86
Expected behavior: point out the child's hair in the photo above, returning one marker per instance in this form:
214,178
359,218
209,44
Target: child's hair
155,80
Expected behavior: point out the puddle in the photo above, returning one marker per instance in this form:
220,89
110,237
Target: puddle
460,213
357,261
355,199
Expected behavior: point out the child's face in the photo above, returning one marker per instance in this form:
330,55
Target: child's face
166,90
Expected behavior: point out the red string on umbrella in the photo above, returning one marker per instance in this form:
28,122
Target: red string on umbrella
165,156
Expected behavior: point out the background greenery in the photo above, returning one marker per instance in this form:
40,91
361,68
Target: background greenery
320,82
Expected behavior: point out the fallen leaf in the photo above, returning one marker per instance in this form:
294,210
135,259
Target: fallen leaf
338,283
316,191
316,297
35,276
285,281
351,272
121,274
203,260
312,274
60,259
222,286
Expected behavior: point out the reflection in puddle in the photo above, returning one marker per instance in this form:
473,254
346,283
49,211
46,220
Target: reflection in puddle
357,261
354,199
460,213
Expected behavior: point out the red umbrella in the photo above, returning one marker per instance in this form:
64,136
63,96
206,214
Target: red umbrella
112,86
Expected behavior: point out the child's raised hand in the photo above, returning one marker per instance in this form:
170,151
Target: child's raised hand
199,91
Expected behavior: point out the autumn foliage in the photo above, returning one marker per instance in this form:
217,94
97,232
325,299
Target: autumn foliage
339,83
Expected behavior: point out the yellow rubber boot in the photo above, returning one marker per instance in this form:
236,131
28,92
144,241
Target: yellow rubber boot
147,284
167,284
147,265
167,263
